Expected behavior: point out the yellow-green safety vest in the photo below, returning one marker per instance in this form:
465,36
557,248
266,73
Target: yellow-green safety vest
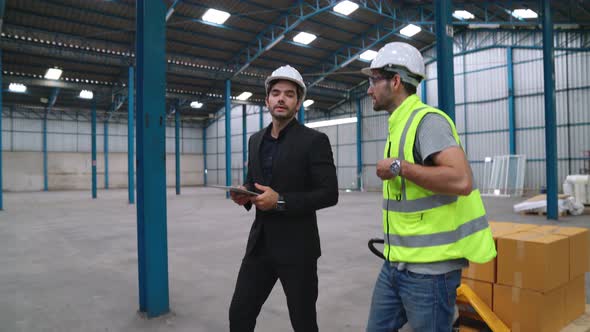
421,226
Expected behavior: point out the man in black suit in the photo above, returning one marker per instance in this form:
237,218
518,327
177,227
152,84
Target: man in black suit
293,169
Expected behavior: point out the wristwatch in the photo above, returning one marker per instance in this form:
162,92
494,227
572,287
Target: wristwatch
281,204
396,167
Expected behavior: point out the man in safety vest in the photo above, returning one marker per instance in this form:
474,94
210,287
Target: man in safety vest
434,220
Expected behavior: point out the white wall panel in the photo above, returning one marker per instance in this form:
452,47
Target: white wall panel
529,111
370,181
253,123
487,116
460,118
236,143
117,144
347,156
347,178
579,103
459,89
579,70
479,147
375,128
531,143
61,143
6,140
347,133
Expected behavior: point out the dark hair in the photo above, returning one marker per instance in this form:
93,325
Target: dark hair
409,88
299,89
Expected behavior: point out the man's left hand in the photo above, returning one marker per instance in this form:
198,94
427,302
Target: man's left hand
384,170
267,200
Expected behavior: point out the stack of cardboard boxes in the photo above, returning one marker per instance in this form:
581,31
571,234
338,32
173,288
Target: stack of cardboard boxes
536,283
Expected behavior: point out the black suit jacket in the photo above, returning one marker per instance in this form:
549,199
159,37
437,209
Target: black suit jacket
303,172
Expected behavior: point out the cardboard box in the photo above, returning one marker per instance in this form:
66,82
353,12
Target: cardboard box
500,229
483,272
487,271
482,289
533,260
579,239
526,310
575,299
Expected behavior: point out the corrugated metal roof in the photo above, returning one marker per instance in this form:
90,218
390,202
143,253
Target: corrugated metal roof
94,40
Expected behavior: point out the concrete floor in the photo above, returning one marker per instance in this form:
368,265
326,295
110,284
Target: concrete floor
69,263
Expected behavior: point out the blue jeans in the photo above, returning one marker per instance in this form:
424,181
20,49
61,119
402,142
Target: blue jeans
426,302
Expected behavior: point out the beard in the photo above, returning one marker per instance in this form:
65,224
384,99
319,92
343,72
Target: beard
284,114
380,106
384,102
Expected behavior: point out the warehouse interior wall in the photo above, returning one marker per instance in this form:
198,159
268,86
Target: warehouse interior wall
483,62
482,97
69,152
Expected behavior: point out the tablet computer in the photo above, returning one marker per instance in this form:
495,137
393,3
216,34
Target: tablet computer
235,190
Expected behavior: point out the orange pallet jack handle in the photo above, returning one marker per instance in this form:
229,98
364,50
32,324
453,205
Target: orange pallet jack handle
467,295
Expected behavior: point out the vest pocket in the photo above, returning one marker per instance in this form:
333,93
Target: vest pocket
410,223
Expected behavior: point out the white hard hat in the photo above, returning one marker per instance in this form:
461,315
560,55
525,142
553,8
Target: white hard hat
397,55
286,73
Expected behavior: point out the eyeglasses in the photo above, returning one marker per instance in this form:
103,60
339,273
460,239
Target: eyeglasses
374,79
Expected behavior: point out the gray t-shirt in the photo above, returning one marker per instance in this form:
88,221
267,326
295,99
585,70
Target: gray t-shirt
433,135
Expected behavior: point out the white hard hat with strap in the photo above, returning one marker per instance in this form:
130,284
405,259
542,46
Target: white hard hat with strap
286,73
401,58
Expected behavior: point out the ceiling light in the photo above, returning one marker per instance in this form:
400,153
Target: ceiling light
304,38
215,16
346,7
53,74
368,55
17,87
308,103
331,122
410,30
196,104
463,15
86,94
244,95
524,13
483,26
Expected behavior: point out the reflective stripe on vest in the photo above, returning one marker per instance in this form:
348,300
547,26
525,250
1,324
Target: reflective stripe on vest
402,144
437,239
420,204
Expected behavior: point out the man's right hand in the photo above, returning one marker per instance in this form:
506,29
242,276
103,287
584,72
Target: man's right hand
238,198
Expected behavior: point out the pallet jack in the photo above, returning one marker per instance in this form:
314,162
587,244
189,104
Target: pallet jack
472,310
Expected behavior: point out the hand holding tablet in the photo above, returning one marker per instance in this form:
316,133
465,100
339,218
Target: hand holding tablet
237,190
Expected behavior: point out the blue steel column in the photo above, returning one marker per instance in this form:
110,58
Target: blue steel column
151,158
205,153
550,117
130,138
106,154
261,117
45,175
511,115
244,144
177,148
359,145
1,190
424,92
444,57
227,134
93,140
301,114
